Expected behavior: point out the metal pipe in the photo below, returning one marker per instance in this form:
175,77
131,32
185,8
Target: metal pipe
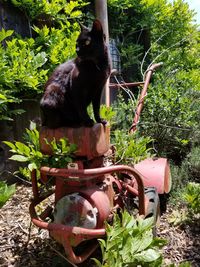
140,104
91,173
119,85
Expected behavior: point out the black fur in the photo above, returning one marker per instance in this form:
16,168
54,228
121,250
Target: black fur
77,83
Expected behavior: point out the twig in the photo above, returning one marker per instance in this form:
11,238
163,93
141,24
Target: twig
23,230
147,52
29,233
164,51
16,176
61,255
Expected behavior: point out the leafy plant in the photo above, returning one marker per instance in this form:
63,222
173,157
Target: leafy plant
5,192
25,63
62,153
130,242
192,197
134,26
193,160
169,118
29,152
178,217
130,147
21,66
105,112
124,111
56,9
188,198
5,112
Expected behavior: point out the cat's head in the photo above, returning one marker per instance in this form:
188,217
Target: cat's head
91,43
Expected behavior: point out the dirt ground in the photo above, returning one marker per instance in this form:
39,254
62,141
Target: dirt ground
23,245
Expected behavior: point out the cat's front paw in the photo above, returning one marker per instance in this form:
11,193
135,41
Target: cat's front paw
103,121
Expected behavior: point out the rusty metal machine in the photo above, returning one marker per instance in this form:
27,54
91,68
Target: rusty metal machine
87,193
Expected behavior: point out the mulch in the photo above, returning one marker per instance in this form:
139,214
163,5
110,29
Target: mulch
22,244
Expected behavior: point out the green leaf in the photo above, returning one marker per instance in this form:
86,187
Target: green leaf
19,158
32,166
149,255
98,263
5,192
4,34
11,145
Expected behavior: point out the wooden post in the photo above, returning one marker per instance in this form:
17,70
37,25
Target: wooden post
102,15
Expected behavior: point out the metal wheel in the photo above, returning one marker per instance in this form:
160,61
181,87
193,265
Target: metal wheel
153,209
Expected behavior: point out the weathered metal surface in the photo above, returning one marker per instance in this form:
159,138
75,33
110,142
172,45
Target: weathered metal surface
100,195
75,210
155,173
90,174
91,142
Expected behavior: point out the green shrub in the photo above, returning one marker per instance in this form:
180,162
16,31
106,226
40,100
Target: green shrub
130,242
5,112
25,63
5,192
124,111
55,9
193,160
169,118
192,197
130,147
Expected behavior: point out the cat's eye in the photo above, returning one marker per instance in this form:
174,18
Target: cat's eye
88,41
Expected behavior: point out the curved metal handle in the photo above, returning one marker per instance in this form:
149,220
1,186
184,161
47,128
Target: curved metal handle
89,174
140,104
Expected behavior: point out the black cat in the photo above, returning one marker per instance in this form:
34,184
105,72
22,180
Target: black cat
77,83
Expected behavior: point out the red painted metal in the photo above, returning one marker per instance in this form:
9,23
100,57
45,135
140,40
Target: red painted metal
140,104
156,173
101,196
90,174
118,85
91,142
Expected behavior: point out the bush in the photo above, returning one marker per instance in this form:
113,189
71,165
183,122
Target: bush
169,117
192,197
30,154
130,147
130,242
25,63
194,163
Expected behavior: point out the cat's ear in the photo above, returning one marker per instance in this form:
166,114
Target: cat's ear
83,28
97,28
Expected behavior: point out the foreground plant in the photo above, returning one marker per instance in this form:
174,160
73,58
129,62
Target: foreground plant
130,242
